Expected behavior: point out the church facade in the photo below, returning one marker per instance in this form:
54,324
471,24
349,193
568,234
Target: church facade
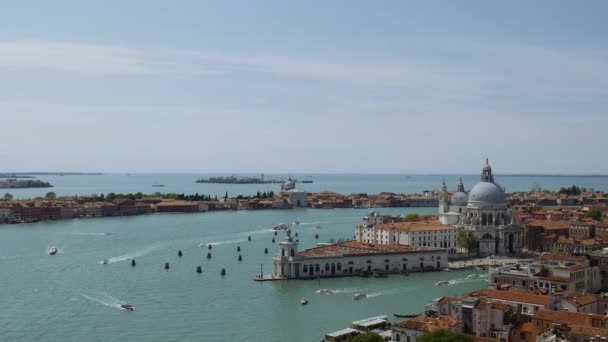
484,212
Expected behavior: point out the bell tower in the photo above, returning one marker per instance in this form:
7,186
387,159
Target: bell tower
486,173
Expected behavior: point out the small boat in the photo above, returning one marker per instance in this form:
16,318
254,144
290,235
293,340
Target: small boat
324,291
280,226
442,283
410,315
53,250
358,296
204,244
106,261
127,307
447,269
318,227
158,185
296,223
303,301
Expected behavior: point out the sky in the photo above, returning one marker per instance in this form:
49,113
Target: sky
304,86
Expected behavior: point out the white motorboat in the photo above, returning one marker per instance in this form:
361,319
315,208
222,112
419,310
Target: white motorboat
442,283
303,301
127,307
358,296
106,261
280,226
324,291
53,250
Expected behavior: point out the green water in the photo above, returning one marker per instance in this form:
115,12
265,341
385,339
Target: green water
73,297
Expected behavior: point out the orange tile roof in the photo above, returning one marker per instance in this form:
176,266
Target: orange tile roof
427,324
588,331
514,296
354,248
567,317
562,257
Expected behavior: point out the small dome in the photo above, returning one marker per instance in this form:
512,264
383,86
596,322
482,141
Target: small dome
488,193
289,185
459,199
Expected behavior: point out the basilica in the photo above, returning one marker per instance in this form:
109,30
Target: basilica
484,212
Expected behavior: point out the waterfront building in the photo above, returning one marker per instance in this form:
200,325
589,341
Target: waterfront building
291,196
179,207
600,258
426,231
353,258
5,215
488,217
572,326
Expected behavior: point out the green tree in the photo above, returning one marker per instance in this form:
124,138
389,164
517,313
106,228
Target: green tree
411,217
444,335
50,195
110,197
594,214
466,240
8,197
367,337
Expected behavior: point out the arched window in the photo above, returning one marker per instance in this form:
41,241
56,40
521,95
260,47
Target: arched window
292,252
339,267
484,219
317,268
305,270
327,267
282,251
490,219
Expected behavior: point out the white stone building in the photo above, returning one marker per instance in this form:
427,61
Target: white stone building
487,215
424,232
353,258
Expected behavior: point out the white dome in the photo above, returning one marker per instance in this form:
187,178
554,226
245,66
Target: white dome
459,199
487,193
289,185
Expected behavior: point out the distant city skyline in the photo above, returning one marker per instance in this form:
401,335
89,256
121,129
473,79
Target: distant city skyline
311,87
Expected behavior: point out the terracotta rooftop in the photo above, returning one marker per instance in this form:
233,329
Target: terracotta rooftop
588,331
562,257
517,296
548,225
353,248
567,317
427,324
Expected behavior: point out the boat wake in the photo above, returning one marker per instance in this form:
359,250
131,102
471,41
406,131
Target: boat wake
468,279
89,234
237,238
312,223
104,299
129,256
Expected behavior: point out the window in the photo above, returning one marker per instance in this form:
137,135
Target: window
305,268
317,268
522,335
327,267
339,267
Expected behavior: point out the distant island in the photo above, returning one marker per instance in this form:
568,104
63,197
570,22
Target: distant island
237,180
18,184
34,174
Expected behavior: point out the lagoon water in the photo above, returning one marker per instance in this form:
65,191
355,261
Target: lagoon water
73,297
340,183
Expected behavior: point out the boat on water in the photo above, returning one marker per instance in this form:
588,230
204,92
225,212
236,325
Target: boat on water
303,301
442,283
358,296
318,227
410,315
324,292
280,226
106,261
447,269
158,185
127,307
53,250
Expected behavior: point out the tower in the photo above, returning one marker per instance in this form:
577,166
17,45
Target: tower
444,201
283,263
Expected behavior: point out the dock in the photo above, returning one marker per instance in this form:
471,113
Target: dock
268,277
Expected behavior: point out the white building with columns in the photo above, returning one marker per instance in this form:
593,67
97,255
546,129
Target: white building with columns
488,217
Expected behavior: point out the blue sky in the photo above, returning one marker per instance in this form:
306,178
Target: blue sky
309,86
